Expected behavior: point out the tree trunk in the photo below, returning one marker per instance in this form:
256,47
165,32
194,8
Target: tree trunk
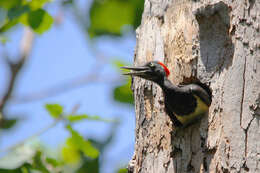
217,43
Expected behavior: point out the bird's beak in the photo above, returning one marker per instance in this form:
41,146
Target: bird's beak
142,71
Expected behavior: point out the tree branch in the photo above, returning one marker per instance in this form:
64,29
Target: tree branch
40,132
26,47
64,87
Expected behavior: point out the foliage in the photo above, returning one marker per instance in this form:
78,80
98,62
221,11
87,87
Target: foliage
80,117
8,123
108,17
122,93
122,170
78,154
55,110
28,13
78,143
39,20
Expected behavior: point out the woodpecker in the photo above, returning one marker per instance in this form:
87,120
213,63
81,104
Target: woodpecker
185,104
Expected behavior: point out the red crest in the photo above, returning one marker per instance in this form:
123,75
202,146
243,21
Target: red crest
167,71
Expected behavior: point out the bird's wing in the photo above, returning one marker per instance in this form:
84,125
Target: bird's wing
175,121
198,91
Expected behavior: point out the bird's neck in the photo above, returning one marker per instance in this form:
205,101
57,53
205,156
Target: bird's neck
167,85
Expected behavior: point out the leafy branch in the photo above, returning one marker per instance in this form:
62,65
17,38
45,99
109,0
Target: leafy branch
56,111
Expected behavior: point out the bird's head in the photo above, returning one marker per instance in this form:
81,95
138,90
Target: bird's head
154,71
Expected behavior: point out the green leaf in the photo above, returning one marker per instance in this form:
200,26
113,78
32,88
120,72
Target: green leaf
55,110
18,11
52,162
9,14
70,153
38,163
5,22
25,168
8,25
123,93
82,144
89,166
35,4
118,64
122,170
27,12
7,4
39,20
89,150
8,123
107,16
75,118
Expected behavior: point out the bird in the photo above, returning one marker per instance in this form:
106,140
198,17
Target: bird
185,104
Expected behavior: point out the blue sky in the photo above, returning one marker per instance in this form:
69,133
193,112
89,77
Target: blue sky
59,55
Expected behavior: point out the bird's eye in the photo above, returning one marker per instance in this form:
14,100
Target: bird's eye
151,64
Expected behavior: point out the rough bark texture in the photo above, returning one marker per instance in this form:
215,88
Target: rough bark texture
218,43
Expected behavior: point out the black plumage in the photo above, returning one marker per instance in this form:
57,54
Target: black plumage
184,104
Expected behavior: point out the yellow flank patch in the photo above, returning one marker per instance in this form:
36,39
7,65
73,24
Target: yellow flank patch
200,110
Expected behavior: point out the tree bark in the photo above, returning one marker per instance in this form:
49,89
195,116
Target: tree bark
214,42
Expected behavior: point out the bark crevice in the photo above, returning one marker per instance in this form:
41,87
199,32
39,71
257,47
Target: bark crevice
243,93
